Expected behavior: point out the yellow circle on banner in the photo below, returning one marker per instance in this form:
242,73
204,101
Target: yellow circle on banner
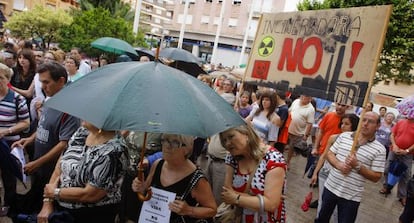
266,46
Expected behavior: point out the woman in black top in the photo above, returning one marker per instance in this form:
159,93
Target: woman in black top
176,173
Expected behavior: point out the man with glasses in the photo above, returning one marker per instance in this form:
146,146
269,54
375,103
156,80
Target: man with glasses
345,183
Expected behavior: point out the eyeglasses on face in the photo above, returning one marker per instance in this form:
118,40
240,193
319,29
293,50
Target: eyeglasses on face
174,144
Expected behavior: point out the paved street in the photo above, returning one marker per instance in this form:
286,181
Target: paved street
374,206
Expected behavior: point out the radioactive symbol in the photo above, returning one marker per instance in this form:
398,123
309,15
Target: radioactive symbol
266,47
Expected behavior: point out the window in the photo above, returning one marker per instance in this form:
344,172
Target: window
237,2
157,20
158,11
189,19
18,5
209,1
189,1
232,22
205,19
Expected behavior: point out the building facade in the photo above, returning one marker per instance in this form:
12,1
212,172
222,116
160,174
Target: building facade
153,16
201,24
9,6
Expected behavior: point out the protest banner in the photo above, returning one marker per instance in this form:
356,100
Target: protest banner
331,54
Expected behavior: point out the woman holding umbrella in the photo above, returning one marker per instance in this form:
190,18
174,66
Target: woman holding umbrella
86,182
174,173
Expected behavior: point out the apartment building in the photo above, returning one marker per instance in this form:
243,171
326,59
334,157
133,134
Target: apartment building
153,15
202,22
9,6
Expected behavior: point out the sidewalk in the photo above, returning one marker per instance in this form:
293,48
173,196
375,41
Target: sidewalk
374,207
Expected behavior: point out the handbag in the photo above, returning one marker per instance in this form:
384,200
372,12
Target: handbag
194,180
258,216
228,213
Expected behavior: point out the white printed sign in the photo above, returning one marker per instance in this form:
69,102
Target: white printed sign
156,209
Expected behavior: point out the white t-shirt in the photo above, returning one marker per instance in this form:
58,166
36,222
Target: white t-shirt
301,116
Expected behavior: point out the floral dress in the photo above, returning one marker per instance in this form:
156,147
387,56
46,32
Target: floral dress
272,159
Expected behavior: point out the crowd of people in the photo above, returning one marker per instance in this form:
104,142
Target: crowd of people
87,174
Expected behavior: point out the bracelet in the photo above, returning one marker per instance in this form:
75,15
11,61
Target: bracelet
47,199
56,194
10,131
238,199
358,167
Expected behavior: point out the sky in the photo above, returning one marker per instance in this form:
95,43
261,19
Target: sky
291,5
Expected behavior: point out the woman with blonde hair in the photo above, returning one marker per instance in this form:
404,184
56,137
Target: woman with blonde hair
254,171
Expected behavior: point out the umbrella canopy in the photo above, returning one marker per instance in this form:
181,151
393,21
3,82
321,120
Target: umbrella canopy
149,97
406,107
190,68
113,45
179,54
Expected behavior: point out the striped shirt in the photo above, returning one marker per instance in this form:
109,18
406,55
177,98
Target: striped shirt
10,115
351,186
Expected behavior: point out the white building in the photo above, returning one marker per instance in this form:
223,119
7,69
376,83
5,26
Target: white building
202,22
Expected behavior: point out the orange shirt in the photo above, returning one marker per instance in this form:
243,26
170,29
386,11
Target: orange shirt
283,136
330,126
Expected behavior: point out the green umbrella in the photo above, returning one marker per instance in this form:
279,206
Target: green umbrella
146,96
113,45
179,54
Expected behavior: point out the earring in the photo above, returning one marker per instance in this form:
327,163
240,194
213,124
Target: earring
100,131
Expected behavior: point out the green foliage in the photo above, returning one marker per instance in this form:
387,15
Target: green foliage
40,22
117,8
397,56
92,24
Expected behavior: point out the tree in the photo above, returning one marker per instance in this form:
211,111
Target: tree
117,8
397,56
40,22
92,24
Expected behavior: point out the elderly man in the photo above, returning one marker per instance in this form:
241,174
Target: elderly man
345,183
